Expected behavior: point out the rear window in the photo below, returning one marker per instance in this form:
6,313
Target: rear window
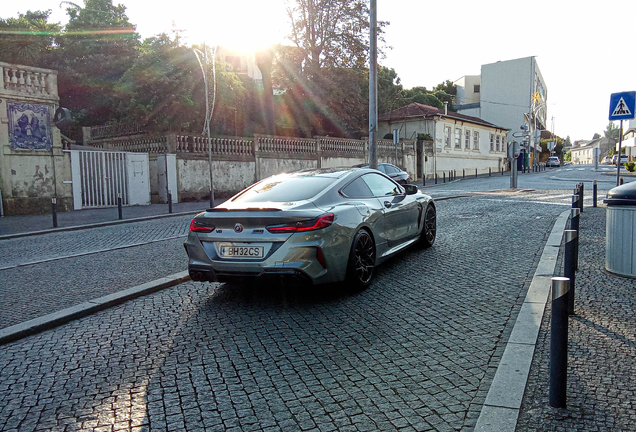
285,189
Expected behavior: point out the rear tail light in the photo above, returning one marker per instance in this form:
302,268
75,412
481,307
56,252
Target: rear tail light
200,226
308,225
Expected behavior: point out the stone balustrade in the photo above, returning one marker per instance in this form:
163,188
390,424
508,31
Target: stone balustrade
29,81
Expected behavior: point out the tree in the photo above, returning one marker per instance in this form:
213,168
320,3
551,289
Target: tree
447,87
159,89
29,39
332,33
97,47
596,136
390,90
612,131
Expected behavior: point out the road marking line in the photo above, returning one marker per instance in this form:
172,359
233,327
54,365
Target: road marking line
89,253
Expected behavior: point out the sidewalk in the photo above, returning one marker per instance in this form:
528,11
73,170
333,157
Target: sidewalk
601,349
77,219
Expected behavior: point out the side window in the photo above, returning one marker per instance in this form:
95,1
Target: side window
357,189
382,168
381,186
390,169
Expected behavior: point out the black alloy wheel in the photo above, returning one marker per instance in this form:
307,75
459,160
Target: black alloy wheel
429,231
361,260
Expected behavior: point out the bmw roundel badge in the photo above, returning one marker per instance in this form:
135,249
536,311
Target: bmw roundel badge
238,228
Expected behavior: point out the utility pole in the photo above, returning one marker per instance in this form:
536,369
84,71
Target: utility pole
373,85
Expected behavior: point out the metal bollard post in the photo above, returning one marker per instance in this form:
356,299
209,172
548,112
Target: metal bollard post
119,207
559,342
489,172
582,195
424,180
464,173
444,175
169,202
475,172
454,174
575,220
594,193
569,265
621,182
54,210
435,178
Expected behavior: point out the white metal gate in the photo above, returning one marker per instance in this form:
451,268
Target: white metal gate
99,177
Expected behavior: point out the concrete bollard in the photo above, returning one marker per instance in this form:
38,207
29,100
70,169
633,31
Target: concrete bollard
594,193
559,342
54,211
569,265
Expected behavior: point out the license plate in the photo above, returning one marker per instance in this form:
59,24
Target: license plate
232,251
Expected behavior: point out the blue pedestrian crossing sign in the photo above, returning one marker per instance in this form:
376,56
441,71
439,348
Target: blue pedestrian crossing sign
622,106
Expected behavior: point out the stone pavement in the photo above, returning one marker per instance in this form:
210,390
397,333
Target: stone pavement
602,361
601,349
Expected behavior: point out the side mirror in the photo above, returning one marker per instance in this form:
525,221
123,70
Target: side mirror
410,189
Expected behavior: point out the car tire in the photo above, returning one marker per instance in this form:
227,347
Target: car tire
429,230
361,261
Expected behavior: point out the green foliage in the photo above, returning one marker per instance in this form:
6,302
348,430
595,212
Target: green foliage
27,40
159,89
390,90
96,49
447,87
332,34
612,131
568,156
424,137
630,166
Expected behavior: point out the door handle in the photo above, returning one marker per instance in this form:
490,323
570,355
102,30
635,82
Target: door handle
387,204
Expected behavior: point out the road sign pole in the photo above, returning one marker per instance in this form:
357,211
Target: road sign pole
618,158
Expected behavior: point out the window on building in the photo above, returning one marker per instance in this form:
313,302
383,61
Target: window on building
497,144
475,140
458,137
503,143
467,139
492,142
447,136
477,88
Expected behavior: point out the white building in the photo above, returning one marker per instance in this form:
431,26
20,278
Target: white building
509,93
460,142
584,152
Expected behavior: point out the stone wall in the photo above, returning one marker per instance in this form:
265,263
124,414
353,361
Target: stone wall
238,162
33,167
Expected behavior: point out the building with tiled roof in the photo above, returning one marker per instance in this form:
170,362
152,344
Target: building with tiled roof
459,142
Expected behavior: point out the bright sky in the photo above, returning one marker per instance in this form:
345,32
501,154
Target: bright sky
585,50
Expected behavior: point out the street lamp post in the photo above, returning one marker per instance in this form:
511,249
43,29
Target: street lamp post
209,110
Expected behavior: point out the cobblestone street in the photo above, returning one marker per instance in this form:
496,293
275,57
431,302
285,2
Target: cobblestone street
601,349
415,351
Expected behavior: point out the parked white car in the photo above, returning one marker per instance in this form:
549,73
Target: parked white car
624,159
553,161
